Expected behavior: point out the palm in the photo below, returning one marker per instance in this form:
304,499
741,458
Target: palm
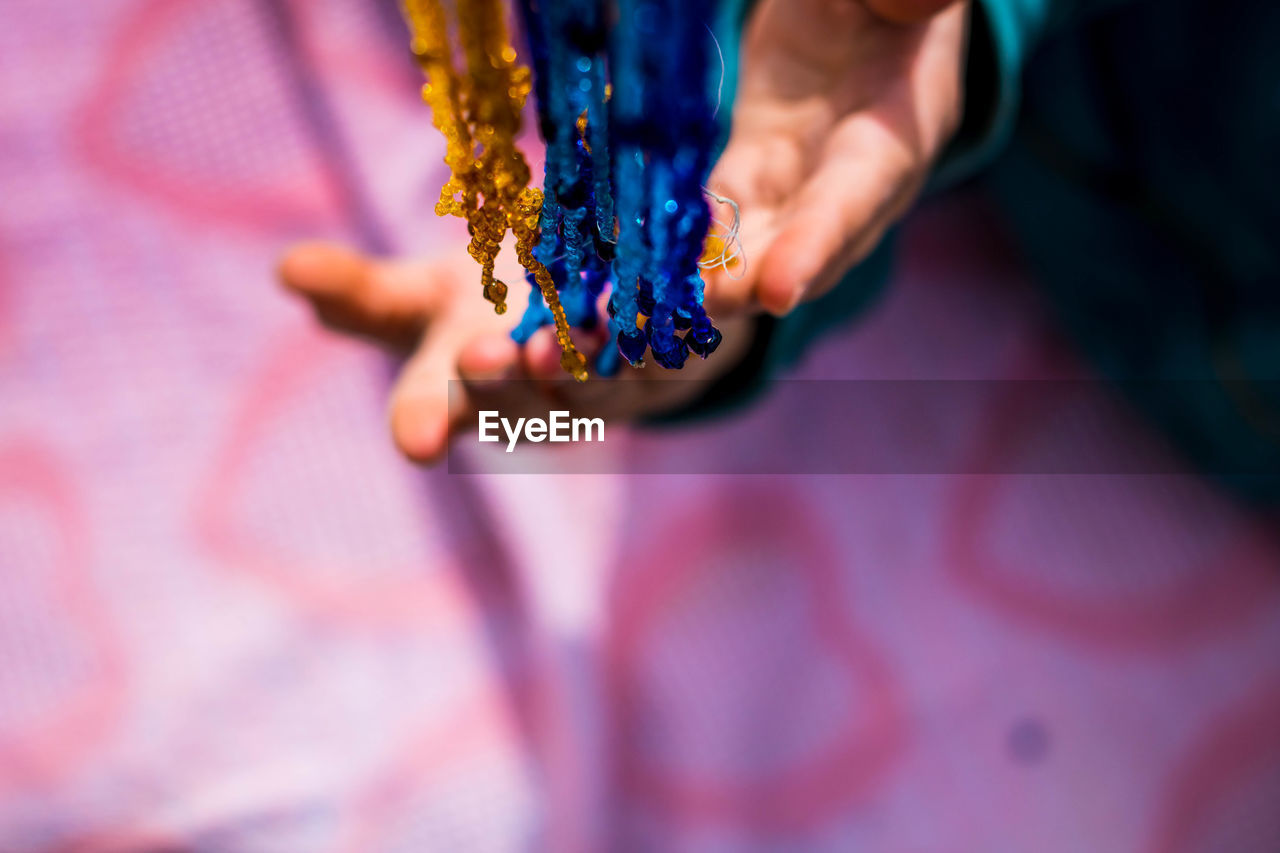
838,117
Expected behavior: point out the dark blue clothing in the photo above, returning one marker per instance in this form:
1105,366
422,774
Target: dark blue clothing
1134,150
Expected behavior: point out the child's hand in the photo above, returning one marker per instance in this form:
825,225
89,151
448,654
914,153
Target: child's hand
434,312
839,117
838,120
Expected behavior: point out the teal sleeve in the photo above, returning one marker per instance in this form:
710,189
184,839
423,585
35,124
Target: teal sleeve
1002,37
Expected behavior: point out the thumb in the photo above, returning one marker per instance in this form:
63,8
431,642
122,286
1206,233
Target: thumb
388,301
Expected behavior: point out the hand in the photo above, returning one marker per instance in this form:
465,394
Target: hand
842,108
839,117
433,311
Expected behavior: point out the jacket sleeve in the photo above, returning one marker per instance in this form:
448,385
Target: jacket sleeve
1003,35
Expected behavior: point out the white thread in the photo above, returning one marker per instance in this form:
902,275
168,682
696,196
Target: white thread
720,85
730,239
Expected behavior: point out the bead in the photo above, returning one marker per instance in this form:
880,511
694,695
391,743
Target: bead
703,338
632,345
669,351
574,363
497,294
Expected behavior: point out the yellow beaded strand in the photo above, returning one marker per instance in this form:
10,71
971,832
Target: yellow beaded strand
525,226
479,115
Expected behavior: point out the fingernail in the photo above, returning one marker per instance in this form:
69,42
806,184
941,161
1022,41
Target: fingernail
419,429
792,300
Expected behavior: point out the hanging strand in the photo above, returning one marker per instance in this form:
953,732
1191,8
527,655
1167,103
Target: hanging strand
479,114
627,97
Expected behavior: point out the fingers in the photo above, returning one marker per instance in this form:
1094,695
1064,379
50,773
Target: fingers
836,220
427,399
799,249
429,405
433,396
389,302
731,290
906,11
488,357
807,211
749,173
393,303
418,410
541,355
800,235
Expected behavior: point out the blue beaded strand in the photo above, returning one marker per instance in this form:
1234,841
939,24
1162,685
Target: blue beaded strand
623,197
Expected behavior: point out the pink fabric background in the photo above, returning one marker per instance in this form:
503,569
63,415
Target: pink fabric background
232,620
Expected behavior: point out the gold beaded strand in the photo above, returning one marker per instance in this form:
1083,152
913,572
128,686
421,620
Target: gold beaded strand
479,115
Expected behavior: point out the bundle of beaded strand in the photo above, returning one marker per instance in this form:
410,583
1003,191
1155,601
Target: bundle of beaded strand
482,110
629,132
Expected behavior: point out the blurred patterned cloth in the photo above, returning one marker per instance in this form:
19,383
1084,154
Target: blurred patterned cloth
231,619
